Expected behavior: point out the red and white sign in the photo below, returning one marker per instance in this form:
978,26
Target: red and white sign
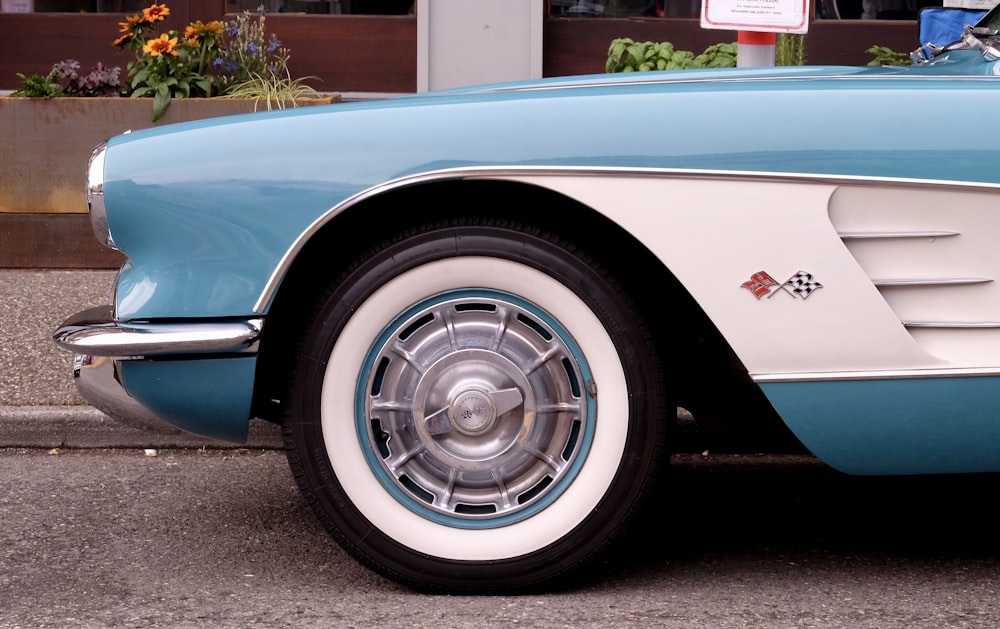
767,16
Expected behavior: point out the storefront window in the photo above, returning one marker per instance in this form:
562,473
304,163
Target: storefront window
607,8
837,9
356,7
73,6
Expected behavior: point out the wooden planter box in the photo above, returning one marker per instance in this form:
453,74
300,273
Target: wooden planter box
47,141
44,148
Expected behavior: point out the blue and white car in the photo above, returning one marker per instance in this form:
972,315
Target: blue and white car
475,312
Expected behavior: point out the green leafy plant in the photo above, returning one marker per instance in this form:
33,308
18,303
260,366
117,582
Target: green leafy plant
236,58
790,49
883,56
626,55
39,86
65,80
717,56
253,64
164,66
248,53
275,91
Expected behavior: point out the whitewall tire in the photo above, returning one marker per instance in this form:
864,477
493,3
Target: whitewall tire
476,408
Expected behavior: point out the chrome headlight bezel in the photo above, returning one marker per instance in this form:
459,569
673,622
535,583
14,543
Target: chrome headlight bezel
95,196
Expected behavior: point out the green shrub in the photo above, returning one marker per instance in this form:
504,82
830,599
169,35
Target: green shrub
790,49
883,56
626,55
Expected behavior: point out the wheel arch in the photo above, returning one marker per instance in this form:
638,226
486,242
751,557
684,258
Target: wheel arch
700,363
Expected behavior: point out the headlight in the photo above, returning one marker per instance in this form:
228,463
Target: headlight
95,196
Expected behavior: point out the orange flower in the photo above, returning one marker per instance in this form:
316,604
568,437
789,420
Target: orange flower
124,39
155,12
130,22
162,46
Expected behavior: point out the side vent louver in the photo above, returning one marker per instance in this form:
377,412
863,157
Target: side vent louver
889,282
930,250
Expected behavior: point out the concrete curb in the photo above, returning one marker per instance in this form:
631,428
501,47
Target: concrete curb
86,427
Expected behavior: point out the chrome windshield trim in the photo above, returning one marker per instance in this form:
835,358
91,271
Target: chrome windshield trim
95,333
902,374
507,172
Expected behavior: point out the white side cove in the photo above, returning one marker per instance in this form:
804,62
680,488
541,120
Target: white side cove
907,269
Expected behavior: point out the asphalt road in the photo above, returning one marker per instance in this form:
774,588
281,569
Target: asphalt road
32,303
209,538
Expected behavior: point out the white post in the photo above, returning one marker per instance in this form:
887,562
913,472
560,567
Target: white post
468,42
754,49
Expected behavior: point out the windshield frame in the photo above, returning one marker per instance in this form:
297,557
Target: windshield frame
989,23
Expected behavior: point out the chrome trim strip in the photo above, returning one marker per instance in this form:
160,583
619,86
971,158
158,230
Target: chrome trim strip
95,196
94,332
980,325
952,281
921,234
749,78
838,376
499,172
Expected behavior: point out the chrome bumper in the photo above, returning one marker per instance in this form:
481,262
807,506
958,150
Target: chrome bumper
101,344
95,332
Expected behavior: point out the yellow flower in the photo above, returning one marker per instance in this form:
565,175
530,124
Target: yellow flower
162,46
214,27
155,12
197,29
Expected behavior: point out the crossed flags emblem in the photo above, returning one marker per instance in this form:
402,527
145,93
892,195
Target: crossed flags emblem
801,284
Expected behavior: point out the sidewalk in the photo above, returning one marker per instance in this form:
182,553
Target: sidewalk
39,404
85,427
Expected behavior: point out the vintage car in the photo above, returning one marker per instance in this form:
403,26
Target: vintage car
475,312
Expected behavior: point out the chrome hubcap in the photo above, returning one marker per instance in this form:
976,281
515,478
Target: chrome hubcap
474,407
473,412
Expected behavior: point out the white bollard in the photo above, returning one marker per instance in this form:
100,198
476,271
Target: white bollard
754,50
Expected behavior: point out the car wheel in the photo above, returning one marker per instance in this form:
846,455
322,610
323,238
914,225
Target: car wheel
476,408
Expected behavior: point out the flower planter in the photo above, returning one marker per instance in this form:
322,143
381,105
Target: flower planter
45,143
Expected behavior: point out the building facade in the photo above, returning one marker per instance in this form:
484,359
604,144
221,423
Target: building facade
370,46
